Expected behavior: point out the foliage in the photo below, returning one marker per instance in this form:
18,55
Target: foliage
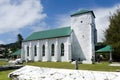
99,45
19,41
112,34
12,47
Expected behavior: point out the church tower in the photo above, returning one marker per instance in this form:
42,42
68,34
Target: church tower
84,36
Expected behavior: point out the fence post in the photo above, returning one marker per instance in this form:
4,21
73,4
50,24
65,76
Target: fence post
76,64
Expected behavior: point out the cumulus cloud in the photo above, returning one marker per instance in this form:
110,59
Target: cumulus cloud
39,26
63,20
16,14
1,42
101,20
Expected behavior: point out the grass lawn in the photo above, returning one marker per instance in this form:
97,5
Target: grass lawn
2,62
104,66
4,75
63,65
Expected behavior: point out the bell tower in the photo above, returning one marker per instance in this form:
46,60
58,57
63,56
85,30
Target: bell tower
84,35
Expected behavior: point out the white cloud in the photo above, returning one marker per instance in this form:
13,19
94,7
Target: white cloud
1,42
63,20
102,20
39,27
16,14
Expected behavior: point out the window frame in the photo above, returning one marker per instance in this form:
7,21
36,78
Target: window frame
35,50
27,50
52,50
62,49
43,50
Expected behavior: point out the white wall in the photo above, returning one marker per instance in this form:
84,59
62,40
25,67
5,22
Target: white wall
48,42
82,37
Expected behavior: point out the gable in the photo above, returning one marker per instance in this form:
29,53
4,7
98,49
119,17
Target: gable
54,33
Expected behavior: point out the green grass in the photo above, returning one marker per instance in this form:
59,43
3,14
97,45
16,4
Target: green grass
63,65
2,62
4,75
104,66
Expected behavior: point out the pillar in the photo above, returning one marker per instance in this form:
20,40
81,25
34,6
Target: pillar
56,50
38,51
69,54
22,53
47,55
31,52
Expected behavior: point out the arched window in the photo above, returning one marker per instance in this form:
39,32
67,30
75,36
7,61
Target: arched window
35,50
43,50
52,49
27,50
62,49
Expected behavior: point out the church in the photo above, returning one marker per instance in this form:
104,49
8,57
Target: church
74,42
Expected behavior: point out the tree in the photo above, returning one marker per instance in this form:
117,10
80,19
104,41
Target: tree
112,34
20,39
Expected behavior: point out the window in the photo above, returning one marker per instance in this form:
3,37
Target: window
52,50
62,49
43,50
35,50
27,50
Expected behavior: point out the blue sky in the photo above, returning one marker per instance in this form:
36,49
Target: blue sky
28,16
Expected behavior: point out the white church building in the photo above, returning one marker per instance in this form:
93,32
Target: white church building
76,42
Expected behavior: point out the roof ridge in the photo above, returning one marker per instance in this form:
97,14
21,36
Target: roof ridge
52,29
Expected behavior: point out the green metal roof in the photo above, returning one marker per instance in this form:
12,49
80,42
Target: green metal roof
107,48
18,52
60,32
82,12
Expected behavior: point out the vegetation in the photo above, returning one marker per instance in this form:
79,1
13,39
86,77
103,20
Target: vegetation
19,41
4,75
2,62
112,34
103,66
64,65
12,47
